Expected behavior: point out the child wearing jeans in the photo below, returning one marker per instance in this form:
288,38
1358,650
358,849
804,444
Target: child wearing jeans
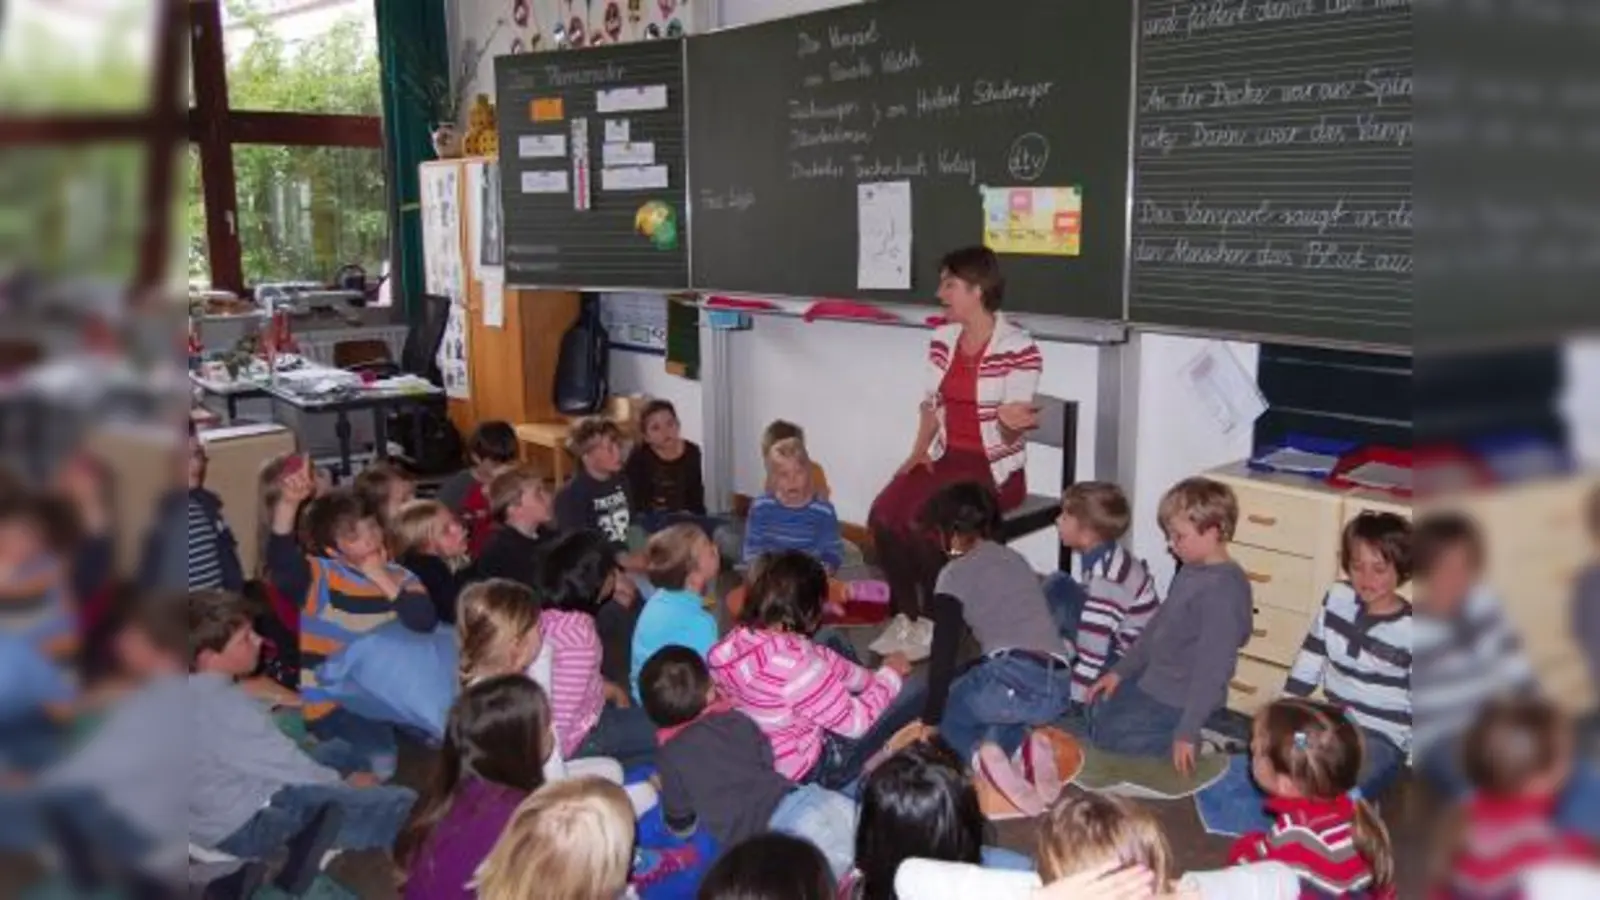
682,563
430,542
1155,700
491,449
346,588
824,714
250,788
1102,612
716,767
1023,677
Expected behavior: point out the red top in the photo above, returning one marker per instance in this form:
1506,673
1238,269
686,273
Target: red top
959,392
475,518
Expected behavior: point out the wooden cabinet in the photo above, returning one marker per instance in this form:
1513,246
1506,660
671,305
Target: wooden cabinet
511,366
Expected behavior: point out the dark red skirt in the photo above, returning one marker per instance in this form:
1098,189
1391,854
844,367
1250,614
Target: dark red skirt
899,505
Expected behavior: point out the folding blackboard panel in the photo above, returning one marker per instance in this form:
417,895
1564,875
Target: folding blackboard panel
1273,169
786,118
548,243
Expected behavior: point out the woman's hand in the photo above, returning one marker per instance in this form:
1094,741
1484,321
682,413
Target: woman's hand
1105,882
921,459
1018,416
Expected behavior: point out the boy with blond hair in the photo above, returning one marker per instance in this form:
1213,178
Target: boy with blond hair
519,506
1103,612
682,564
1157,698
784,430
597,496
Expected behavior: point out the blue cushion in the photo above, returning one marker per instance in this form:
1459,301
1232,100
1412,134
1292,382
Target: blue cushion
396,675
654,834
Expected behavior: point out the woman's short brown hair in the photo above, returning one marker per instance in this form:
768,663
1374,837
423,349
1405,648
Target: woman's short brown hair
1100,506
979,267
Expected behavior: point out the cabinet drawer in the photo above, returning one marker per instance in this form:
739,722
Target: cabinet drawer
1254,685
1276,634
1280,580
1304,524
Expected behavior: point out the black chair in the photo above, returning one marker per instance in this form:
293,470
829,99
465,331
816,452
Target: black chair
418,354
432,446
1058,427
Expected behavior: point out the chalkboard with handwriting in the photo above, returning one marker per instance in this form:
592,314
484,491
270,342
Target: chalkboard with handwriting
589,138
1005,123
1272,188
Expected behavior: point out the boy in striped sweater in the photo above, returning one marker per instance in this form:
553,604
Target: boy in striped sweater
1103,611
1358,649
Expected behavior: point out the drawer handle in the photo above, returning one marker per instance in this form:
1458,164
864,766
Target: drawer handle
1257,577
1241,687
1258,632
1263,521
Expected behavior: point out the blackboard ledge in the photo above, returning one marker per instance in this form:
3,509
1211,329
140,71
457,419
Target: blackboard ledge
1262,337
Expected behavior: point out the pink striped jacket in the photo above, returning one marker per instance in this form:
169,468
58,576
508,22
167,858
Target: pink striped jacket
576,690
796,691
1008,373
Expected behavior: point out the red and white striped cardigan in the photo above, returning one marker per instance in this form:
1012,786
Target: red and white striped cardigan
1008,373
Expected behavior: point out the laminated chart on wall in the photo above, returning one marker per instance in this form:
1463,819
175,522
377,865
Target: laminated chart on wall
595,196
635,321
1029,220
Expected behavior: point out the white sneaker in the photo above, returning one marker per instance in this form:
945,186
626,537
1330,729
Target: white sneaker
896,638
922,634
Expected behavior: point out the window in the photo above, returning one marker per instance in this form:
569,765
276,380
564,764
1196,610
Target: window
289,143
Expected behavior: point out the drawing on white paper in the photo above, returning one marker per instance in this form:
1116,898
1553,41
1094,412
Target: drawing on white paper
617,131
630,99
443,271
452,355
1224,390
634,178
883,213
544,182
640,154
542,146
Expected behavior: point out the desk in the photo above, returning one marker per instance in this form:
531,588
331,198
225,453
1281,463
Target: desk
230,392
551,436
377,400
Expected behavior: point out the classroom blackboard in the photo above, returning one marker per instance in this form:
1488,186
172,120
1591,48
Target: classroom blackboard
1273,153
788,118
623,107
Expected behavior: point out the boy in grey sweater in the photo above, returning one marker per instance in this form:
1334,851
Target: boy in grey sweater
250,787
1155,700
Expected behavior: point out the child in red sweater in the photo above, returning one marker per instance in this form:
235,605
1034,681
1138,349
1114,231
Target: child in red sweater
1306,756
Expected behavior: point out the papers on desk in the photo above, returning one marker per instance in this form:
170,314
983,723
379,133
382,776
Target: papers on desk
1298,462
1379,475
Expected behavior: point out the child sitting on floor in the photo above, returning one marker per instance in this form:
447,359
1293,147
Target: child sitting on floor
386,488
592,706
824,714
1307,757
1358,650
682,563
431,544
347,587
1518,758
596,497
519,505
782,430
250,787
491,450
1157,698
716,767
664,473
493,757
1023,678
1102,613
771,866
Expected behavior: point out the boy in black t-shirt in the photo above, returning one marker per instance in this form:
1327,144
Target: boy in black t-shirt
597,496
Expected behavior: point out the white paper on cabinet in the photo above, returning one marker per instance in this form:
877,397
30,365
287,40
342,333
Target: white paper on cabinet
883,213
630,99
616,131
544,182
640,154
542,146
634,178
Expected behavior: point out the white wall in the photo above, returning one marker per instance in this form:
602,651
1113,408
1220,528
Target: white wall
636,372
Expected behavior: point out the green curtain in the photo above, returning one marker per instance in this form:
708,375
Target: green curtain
414,53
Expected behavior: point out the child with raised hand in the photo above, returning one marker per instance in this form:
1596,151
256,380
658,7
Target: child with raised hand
519,509
386,488
491,450
1358,649
1104,611
347,587
593,711
1023,678
770,867
664,472
825,715
1307,757
919,804
716,768
682,564
567,841
1154,701
495,745
430,542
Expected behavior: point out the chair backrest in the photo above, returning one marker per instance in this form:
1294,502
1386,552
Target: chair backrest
1058,423
422,342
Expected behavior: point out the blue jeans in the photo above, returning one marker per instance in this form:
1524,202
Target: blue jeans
1000,699
823,817
371,817
1006,860
1067,598
1235,805
1131,722
834,640
624,734
362,744
843,759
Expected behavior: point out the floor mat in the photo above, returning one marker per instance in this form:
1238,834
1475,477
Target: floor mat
1146,777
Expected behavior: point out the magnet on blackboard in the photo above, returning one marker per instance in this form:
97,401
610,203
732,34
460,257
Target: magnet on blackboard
658,221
